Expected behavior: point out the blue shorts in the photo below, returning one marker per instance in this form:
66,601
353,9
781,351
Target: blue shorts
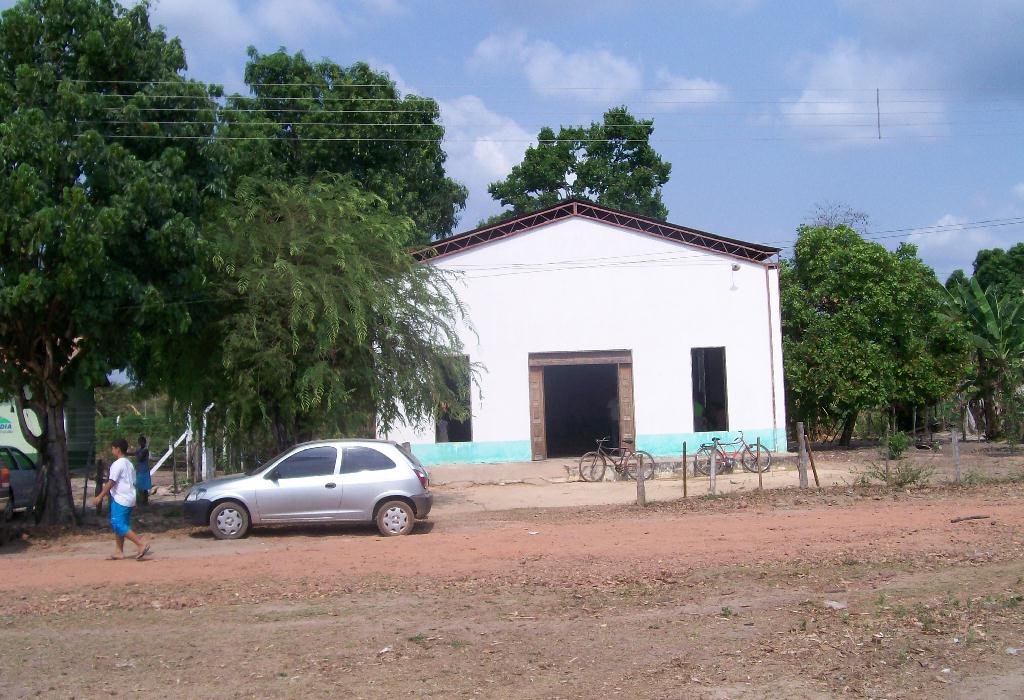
143,480
120,518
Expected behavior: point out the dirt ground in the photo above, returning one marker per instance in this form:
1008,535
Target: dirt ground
856,590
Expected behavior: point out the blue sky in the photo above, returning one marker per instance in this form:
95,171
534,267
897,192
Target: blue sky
763,108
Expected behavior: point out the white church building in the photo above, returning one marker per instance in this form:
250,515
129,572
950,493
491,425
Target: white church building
590,322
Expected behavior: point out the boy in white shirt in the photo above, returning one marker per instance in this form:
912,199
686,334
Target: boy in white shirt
121,487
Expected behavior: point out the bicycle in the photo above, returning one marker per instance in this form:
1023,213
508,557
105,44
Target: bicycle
754,458
627,461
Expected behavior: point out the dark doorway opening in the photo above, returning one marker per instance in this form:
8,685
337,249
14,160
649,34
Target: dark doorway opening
454,422
710,400
581,405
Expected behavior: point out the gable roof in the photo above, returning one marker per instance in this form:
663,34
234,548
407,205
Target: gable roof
588,210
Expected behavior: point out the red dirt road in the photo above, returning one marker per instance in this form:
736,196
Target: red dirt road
548,544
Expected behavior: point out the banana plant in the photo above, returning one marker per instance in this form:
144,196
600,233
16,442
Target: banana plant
995,326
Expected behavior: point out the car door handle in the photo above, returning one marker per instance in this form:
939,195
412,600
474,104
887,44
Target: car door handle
330,485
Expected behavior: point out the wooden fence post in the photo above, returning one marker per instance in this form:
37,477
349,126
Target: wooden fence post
810,455
801,464
684,469
956,455
641,489
85,493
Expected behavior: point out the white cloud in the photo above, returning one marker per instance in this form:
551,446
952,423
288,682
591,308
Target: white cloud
293,20
678,93
597,75
204,22
401,85
482,147
386,7
213,31
951,244
838,101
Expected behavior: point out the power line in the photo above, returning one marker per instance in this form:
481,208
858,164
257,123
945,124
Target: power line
299,139
595,88
441,125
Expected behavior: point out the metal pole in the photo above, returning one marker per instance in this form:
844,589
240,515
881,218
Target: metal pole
684,469
757,465
174,467
714,470
956,455
202,447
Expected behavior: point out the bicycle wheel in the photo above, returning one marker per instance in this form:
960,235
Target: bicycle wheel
591,467
702,461
757,459
639,462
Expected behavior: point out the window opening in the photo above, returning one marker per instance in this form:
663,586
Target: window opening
710,400
455,422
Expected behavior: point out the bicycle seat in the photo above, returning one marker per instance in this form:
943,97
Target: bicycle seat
715,439
628,441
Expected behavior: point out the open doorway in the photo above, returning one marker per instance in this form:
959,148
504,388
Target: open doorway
581,405
577,397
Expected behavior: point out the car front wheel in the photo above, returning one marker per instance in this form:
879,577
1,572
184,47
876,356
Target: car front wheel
395,518
229,521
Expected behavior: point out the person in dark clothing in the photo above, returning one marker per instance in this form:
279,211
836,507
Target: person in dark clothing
143,480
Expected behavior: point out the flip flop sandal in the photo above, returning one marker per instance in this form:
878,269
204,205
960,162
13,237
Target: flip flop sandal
142,555
113,558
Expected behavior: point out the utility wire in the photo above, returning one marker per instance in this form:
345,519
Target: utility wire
365,139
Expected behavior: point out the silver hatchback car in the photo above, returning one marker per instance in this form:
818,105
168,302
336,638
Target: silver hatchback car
323,481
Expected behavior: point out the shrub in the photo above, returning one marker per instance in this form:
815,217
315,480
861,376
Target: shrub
901,476
898,444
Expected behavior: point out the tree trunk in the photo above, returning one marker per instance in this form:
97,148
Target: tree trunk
54,503
848,424
59,504
992,428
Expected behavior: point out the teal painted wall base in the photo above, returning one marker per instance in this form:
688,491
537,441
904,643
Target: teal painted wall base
473,452
519,450
672,444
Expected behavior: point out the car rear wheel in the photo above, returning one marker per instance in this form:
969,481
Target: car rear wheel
395,518
229,521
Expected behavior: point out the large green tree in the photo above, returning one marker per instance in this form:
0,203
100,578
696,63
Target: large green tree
97,232
329,326
862,329
610,162
304,118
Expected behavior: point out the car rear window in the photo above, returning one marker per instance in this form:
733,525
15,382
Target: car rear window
359,459
23,461
316,461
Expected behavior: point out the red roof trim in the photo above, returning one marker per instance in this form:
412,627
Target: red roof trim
575,207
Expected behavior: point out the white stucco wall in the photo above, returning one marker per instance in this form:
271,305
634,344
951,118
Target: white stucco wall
577,285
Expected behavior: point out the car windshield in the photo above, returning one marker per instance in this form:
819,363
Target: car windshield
262,465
